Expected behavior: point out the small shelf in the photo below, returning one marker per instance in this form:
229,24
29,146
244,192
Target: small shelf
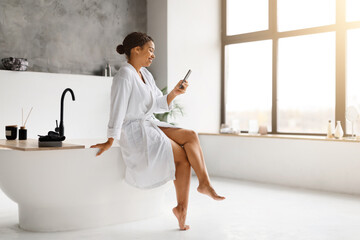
32,145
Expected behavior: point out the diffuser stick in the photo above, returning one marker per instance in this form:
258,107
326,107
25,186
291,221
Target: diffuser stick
28,116
22,116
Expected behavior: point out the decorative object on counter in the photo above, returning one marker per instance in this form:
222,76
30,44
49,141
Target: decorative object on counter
15,64
352,115
54,139
235,125
108,68
22,133
339,133
253,127
329,130
11,132
23,130
225,128
263,123
263,130
105,72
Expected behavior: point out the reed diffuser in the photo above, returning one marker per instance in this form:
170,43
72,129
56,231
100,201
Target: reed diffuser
23,130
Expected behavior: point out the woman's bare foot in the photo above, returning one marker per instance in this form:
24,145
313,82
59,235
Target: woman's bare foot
208,190
180,214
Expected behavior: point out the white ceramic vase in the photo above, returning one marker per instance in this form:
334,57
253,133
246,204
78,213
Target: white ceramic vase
339,133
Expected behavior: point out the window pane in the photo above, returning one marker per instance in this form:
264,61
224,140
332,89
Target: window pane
352,10
249,83
306,83
353,73
298,14
245,16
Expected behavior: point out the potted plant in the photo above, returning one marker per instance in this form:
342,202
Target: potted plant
174,112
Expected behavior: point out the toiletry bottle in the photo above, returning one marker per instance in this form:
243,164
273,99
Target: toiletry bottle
329,130
339,133
105,72
108,69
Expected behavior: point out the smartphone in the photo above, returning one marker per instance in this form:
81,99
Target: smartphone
185,78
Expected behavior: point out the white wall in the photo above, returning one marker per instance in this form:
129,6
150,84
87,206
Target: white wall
193,42
315,164
86,117
157,29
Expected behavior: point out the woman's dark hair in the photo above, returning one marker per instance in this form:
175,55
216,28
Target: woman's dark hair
133,40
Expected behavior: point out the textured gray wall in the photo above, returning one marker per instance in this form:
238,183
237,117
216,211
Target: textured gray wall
68,36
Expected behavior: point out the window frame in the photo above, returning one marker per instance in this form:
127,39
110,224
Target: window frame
340,28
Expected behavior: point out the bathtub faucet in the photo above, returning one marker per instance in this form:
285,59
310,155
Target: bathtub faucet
60,129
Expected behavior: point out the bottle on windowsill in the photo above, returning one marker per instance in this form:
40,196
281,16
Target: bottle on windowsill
339,133
329,130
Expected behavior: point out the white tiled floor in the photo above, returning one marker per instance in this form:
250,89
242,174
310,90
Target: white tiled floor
251,211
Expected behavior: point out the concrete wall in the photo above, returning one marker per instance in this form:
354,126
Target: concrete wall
66,36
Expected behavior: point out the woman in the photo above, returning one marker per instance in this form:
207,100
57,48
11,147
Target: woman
154,152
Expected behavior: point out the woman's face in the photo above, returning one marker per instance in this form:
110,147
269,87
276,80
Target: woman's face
146,54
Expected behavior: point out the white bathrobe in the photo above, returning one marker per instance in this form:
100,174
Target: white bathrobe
145,149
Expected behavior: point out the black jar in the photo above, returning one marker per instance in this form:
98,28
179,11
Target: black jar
22,133
11,132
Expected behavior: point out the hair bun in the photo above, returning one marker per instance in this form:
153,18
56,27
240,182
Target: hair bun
120,49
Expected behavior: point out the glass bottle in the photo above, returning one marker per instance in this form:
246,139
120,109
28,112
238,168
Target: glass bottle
329,130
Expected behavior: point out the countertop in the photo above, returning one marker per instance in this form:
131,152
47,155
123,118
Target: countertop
32,145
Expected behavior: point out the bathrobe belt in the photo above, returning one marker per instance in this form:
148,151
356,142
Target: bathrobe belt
147,117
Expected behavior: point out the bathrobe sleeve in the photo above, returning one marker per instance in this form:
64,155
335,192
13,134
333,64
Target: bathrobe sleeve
161,105
120,93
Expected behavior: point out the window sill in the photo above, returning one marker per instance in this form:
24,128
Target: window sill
284,136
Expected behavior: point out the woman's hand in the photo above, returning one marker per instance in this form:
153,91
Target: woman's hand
103,146
177,90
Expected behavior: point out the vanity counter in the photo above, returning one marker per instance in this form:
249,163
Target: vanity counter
32,145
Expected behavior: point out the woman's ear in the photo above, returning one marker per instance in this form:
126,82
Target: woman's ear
137,49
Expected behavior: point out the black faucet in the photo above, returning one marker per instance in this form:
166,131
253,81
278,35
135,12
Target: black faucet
60,129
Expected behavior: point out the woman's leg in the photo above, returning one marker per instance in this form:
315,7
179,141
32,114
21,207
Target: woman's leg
191,144
182,184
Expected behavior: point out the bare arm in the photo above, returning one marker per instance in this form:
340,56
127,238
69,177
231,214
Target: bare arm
177,91
171,96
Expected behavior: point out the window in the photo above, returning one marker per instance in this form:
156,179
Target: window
352,10
247,16
298,14
353,73
290,65
306,83
249,96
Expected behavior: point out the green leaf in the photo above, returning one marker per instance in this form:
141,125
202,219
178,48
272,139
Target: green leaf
177,109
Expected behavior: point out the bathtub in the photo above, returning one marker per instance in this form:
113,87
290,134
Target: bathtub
60,190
